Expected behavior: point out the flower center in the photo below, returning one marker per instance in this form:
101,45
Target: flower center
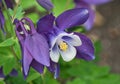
63,46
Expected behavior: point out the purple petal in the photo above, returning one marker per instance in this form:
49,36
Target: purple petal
2,20
37,66
73,17
45,24
82,4
18,30
47,4
9,3
1,73
14,73
26,61
90,22
57,71
38,47
96,1
51,68
54,68
26,56
86,50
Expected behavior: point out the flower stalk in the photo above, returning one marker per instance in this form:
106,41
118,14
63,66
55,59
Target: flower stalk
15,11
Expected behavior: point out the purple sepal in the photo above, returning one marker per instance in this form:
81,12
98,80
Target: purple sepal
71,18
96,2
12,73
47,4
2,20
86,50
45,24
37,66
55,69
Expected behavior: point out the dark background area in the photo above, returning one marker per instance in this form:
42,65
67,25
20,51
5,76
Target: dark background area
109,34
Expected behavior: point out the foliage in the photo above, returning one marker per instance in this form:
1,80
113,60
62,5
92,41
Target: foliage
74,72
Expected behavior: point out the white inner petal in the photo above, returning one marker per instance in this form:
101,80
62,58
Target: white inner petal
69,54
73,40
54,54
67,51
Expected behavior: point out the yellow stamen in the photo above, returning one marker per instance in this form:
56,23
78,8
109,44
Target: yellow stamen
63,46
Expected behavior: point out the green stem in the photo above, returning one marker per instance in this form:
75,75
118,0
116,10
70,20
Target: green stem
15,10
43,75
43,80
12,49
9,18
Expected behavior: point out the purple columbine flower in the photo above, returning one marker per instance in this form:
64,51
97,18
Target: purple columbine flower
47,4
35,50
90,5
12,73
64,44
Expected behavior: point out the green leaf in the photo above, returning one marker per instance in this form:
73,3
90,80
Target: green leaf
62,5
87,70
33,75
51,80
7,60
98,48
17,79
19,12
5,54
110,79
34,4
34,17
11,12
26,4
9,65
76,29
77,81
17,49
100,71
2,82
7,42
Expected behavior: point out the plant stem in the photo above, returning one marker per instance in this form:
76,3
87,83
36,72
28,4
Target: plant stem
42,76
9,18
43,80
14,53
15,10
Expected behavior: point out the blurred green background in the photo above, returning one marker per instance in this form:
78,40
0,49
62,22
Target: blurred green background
103,70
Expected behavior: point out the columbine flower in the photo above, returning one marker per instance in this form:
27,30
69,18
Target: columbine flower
89,4
12,73
47,4
64,44
68,45
34,46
